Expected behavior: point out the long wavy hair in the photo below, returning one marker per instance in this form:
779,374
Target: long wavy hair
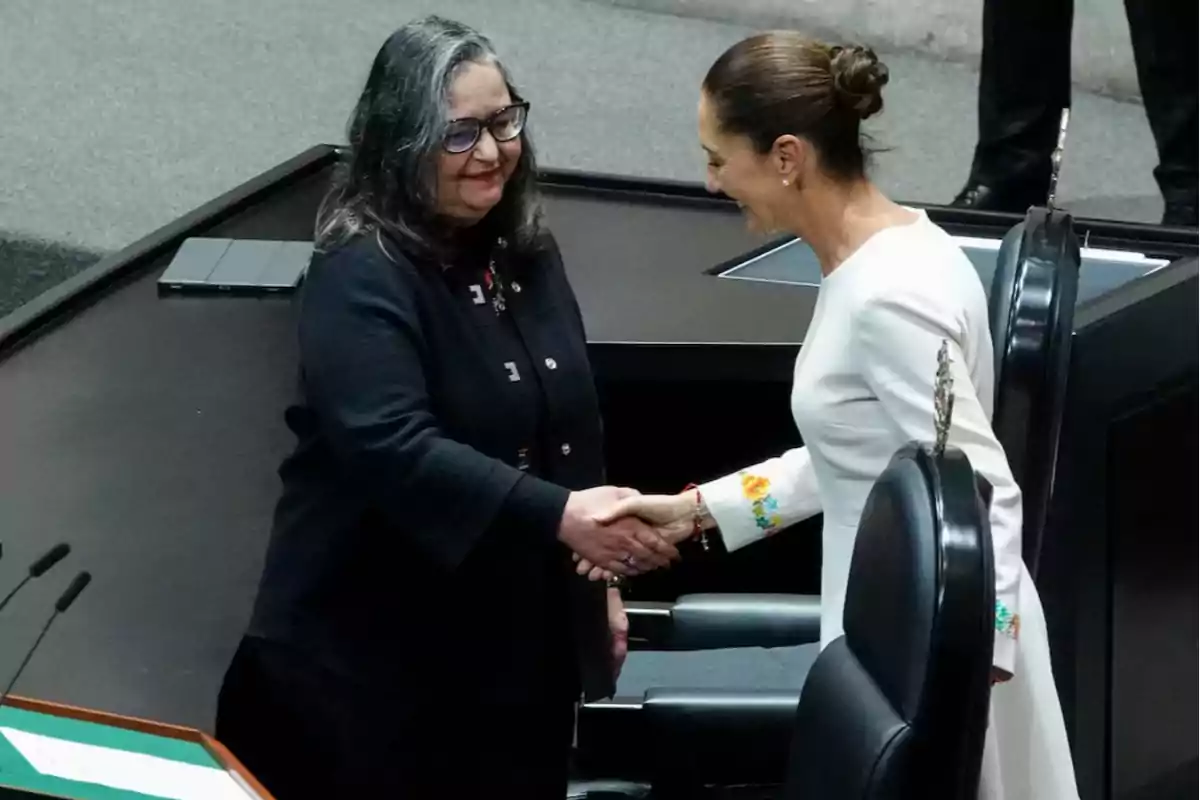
388,183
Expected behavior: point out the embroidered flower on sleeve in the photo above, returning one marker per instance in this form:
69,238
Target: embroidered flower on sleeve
757,489
1007,622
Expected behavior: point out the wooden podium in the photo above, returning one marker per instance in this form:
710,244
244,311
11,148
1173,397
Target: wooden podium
49,750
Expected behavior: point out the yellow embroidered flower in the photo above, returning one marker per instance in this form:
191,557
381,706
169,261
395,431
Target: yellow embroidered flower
755,487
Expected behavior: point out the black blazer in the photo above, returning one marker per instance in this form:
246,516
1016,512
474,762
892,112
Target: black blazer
438,438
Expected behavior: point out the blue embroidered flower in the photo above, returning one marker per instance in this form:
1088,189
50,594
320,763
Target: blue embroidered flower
1007,622
763,505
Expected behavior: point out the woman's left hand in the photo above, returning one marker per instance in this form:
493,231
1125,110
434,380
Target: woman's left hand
618,624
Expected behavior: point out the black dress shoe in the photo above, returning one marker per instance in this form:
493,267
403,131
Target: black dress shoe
1015,198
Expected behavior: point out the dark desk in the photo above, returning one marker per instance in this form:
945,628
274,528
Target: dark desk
661,273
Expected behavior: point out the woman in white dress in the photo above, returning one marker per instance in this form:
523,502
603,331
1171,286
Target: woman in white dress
779,118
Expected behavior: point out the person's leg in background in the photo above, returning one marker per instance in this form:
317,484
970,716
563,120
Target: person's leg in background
1164,49
1024,84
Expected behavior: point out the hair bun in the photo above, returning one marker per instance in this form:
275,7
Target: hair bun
858,79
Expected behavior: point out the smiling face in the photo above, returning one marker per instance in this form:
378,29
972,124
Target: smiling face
755,180
471,183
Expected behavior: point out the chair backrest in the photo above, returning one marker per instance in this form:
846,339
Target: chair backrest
1032,313
897,707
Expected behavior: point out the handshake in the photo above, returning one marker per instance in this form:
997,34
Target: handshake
615,531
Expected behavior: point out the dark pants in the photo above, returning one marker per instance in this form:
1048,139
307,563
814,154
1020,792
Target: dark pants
306,733
1025,82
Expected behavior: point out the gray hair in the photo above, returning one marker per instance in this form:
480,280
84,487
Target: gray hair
388,183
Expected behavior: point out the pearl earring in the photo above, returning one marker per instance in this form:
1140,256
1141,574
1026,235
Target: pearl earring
786,182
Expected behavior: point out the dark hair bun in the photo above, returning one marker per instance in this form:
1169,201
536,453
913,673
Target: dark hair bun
858,79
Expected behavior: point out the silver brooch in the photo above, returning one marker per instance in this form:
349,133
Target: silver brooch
943,399
495,285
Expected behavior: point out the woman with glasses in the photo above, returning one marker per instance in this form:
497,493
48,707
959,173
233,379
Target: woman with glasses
419,630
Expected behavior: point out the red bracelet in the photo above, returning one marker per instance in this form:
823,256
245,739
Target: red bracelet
697,523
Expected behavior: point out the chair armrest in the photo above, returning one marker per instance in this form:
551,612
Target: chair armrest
608,790
719,621
720,736
649,624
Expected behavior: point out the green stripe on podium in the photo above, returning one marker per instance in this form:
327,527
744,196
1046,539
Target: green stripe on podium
17,773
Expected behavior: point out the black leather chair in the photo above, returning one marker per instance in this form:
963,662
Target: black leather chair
1031,310
895,708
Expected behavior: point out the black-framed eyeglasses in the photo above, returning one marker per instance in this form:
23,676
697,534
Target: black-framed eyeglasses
505,125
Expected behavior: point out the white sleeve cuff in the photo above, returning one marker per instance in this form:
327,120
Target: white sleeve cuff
1004,653
1007,631
741,519
757,501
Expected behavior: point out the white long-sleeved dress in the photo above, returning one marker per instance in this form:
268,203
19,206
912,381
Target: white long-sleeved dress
863,387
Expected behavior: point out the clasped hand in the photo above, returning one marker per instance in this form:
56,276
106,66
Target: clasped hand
618,531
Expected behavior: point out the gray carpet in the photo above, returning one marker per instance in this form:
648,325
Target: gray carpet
1101,51
29,267
741,668
121,116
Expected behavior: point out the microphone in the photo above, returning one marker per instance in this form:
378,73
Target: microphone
60,607
39,568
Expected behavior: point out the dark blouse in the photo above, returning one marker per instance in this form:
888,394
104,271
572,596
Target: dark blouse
438,438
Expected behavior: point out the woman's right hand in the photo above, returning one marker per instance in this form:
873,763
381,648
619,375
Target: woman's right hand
673,518
673,515
620,544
